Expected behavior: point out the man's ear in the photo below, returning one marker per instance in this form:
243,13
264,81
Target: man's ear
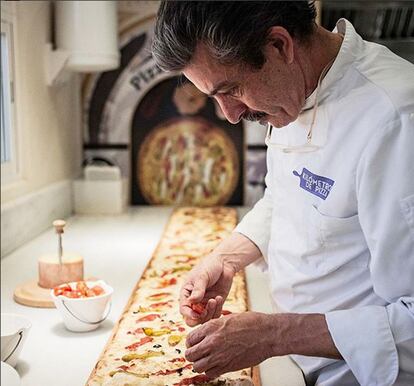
281,40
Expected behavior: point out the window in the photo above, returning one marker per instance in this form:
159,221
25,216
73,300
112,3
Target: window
9,156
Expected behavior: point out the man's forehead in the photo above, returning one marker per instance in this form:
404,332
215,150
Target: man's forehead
206,73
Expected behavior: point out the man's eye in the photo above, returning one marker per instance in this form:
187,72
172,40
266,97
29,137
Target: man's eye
234,92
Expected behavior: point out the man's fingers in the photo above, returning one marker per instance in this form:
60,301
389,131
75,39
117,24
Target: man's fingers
199,289
204,364
219,306
195,336
191,322
197,352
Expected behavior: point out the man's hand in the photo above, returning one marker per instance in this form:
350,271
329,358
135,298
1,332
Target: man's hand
238,341
230,343
208,284
205,290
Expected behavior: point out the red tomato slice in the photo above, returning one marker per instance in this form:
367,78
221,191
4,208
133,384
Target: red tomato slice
62,288
198,308
72,294
98,290
148,318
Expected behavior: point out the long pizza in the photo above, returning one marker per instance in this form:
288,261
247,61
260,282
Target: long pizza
148,343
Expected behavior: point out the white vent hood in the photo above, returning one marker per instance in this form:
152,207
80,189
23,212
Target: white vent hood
86,38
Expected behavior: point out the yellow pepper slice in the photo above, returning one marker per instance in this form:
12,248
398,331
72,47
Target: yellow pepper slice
183,268
151,332
145,355
112,373
173,340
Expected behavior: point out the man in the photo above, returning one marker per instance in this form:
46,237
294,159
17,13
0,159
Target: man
336,223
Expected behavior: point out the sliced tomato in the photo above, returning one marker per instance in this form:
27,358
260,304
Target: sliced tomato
72,294
98,290
90,293
141,342
198,308
62,288
148,318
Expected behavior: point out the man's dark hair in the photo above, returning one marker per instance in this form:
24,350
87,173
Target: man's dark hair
233,31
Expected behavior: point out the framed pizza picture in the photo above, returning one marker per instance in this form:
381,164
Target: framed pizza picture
183,153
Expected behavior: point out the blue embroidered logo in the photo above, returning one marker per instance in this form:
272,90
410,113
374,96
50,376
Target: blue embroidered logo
317,185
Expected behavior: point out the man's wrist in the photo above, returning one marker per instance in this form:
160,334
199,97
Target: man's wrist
237,251
301,334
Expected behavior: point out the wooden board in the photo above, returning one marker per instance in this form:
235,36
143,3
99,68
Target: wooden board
94,378
32,295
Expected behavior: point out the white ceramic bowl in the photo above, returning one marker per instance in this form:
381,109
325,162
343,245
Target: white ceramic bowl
84,314
9,376
14,330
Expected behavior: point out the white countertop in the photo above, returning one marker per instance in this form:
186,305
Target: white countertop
116,249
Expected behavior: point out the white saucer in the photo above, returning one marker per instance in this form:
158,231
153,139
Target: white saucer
9,376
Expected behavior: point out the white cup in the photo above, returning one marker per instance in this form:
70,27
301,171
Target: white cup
14,330
84,314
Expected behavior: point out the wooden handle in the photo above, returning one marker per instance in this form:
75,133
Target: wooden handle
59,225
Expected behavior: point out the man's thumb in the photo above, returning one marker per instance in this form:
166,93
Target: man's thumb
199,289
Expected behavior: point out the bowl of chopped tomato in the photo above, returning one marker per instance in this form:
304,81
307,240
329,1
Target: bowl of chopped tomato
83,305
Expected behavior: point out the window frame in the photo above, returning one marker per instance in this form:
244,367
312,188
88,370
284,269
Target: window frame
11,169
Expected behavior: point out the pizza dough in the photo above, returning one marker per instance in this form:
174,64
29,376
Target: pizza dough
148,343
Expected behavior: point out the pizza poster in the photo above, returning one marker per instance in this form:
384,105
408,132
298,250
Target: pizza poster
171,142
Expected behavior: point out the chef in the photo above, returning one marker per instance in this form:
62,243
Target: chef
335,227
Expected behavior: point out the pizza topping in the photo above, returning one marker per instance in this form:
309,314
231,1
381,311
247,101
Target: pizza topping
167,282
173,340
148,318
145,355
193,380
141,342
151,332
157,306
141,309
225,312
135,332
181,329
180,359
183,268
178,350
172,371
112,373
157,346
159,296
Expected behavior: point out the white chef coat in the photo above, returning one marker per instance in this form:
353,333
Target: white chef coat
336,226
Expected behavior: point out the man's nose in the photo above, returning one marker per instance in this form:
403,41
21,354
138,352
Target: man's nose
232,109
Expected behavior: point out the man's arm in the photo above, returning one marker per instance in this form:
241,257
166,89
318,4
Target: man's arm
301,334
237,251
238,341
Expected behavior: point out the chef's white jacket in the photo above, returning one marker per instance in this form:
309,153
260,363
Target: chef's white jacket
336,226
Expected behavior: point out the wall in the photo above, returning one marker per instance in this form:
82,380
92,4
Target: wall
48,124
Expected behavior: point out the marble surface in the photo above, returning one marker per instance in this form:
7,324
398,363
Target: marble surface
116,249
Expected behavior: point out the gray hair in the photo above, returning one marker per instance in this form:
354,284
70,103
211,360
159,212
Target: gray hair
233,31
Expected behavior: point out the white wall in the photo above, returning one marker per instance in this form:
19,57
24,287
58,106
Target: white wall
48,120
